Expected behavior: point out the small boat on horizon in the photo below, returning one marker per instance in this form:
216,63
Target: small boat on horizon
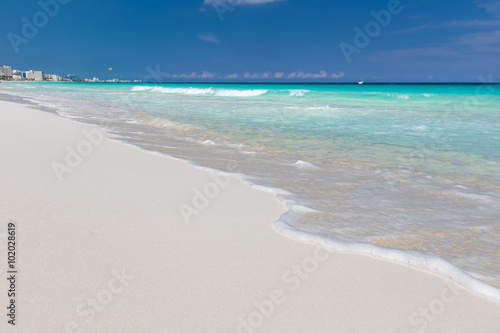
361,82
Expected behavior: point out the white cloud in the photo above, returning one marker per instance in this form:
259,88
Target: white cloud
302,75
486,41
321,75
251,76
233,76
415,28
210,38
207,75
473,23
239,2
338,75
280,75
185,76
451,24
491,6
194,75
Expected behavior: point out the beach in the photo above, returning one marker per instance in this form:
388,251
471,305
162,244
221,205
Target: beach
111,238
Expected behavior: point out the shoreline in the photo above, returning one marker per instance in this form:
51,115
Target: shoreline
263,276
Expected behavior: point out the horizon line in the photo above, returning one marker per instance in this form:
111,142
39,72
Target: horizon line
261,82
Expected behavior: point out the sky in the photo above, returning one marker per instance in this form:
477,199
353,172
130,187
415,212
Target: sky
255,40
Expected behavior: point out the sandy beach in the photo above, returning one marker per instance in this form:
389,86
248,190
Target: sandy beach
110,238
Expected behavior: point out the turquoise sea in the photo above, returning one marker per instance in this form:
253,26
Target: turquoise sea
363,168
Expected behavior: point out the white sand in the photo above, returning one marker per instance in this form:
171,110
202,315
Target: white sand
119,210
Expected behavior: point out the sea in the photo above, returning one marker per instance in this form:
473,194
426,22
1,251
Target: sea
406,172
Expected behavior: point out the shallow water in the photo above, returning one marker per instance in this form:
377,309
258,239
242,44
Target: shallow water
409,167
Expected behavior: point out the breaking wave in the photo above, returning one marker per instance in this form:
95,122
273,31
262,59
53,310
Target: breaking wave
203,91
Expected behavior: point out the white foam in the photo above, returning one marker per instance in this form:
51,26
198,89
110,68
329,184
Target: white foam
244,152
240,93
203,91
471,196
184,91
301,209
302,165
298,92
141,88
403,97
274,190
412,258
324,107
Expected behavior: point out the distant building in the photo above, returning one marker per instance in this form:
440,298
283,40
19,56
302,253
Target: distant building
73,77
6,72
52,77
17,75
34,75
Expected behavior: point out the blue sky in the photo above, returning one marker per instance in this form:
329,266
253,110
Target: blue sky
256,40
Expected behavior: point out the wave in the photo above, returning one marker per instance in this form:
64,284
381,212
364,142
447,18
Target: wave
164,123
324,107
203,91
141,88
399,96
415,259
298,92
302,165
472,196
240,93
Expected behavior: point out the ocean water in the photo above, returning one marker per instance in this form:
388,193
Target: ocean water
406,172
